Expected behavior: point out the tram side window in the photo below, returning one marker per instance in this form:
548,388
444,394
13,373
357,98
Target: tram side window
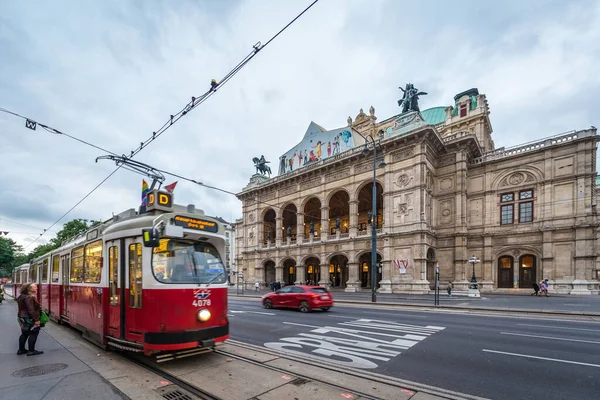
135,275
93,262
45,271
113,270
55,267
33,273
77,265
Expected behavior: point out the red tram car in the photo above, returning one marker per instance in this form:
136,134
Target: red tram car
151,281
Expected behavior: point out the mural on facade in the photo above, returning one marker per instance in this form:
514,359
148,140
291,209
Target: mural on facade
317,144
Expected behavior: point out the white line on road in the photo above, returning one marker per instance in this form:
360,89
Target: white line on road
251,312
560,327
349,317
542,358
549,337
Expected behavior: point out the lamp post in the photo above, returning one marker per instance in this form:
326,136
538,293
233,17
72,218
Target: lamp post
474,286
374,266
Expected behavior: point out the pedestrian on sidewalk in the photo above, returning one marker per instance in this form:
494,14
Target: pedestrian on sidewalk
536,289
28,315
256,286
544,287
449,288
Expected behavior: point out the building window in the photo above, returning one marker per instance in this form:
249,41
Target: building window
507,214
45,271
524,203
463,110
526,212
77,265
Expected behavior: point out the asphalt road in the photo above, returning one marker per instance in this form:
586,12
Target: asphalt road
489,356
488,300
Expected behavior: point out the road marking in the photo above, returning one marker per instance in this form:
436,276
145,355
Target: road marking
543,358
329,315
550,337
346,345
560,327
251,312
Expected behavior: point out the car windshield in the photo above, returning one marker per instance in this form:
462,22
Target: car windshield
176,261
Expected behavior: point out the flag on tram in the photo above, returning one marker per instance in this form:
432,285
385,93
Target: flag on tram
171,187
145,190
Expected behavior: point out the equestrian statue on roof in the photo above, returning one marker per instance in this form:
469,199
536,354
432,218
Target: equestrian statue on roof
261,165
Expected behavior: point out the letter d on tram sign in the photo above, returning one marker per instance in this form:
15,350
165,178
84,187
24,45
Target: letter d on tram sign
158,200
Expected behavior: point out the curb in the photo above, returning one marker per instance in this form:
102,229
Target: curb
429,307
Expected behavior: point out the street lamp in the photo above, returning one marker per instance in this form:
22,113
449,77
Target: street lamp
474,286
374,266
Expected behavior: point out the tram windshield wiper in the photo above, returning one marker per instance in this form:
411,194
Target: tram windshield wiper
215,278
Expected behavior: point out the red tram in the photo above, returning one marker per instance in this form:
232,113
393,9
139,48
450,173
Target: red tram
151,281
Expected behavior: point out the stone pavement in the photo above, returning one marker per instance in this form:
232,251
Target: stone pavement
56,374
568,304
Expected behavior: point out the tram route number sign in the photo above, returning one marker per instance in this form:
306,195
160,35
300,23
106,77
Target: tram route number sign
196,223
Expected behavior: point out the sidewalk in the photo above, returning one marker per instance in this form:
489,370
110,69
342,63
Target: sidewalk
56,374
562,304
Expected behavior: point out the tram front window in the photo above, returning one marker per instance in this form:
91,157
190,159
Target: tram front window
176,261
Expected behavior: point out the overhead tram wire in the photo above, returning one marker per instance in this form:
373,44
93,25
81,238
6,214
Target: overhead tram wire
195,102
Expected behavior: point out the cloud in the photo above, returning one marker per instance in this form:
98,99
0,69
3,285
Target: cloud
112,72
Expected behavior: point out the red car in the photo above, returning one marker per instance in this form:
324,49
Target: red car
304,298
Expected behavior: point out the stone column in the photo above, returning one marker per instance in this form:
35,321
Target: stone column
324,281
278,231
353,284
300,228
353,223
300,275
487,264
279,274
324,223
386,275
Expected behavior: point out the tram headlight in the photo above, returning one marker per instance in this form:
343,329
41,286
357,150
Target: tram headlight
203,315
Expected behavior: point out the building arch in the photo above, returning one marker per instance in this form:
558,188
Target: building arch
364,196
516,267
338,202
363,252
362,184
269,274
265,210
338,269
284,205
289,270
309,198
313,269
306,257
311,210
531,176
364,268
332,192
270,259
335,254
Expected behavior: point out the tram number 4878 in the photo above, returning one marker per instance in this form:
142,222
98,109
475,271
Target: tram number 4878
201,303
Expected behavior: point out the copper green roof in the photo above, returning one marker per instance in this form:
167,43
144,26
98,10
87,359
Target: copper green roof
434,115
598,180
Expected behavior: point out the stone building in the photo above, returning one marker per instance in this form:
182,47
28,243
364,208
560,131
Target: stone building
445,194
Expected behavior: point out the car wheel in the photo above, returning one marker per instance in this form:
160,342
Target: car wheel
325,308
268,304
304,307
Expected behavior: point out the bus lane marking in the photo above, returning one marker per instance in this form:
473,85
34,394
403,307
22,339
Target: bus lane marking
360,343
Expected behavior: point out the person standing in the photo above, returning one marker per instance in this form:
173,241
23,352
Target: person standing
28,315
449,288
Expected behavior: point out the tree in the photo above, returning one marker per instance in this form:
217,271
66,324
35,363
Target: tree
9,250
72,229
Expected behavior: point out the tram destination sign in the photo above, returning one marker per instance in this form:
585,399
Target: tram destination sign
196,223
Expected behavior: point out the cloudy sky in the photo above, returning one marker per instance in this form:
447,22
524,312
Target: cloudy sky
111,72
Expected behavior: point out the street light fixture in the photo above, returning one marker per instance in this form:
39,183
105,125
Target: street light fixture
374,266
474,286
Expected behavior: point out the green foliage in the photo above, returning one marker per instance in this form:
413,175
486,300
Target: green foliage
9,250
11,254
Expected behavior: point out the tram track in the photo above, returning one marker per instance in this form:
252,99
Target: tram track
297,373
172,390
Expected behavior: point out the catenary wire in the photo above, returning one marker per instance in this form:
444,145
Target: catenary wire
195,102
